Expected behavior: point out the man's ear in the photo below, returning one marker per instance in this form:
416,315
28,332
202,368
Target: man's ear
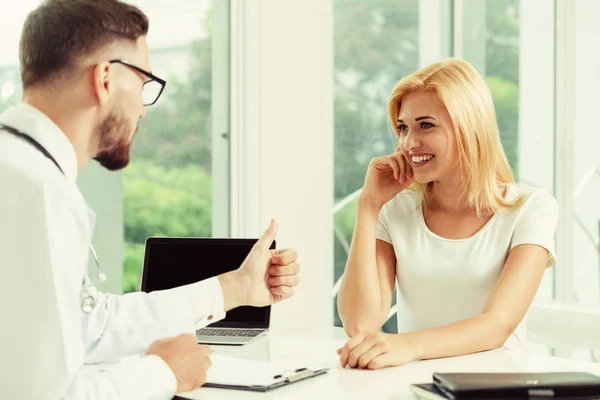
102,84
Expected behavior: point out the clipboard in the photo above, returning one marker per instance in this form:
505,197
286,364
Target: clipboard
255,376
297,376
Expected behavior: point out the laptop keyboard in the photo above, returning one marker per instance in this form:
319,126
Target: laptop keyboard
229,332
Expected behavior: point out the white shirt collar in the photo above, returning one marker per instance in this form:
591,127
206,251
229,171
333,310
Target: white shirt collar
40,127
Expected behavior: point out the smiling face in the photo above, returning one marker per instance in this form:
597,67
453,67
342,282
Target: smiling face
426,137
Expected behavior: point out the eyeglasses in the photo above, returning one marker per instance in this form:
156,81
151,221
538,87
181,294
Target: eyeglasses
152,89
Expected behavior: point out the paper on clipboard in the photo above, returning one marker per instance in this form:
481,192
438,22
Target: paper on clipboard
235,371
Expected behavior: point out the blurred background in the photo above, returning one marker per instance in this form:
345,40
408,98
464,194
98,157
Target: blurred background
273,108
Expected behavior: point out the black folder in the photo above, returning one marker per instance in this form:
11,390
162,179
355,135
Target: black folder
500,386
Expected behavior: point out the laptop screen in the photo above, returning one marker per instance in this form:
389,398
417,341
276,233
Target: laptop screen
173,262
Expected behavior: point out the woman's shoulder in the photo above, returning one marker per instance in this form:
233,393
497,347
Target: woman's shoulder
405,202
531,198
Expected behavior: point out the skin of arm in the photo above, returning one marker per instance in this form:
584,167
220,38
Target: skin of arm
504,310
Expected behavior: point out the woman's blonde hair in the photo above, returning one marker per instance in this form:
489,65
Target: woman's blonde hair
482,161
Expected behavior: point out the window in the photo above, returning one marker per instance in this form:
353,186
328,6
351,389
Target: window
168,188
375,44
507,40
582,166
491,44
585,255
524,55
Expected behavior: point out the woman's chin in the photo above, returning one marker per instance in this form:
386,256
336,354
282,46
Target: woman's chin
422,178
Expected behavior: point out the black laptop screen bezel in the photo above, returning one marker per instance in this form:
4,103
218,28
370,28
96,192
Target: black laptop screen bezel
156,241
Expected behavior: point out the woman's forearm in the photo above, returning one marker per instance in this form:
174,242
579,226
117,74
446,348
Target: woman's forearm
473,335
359,298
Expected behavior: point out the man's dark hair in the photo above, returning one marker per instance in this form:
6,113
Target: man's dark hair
58,32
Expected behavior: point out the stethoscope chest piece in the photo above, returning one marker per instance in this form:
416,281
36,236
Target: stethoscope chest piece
87,304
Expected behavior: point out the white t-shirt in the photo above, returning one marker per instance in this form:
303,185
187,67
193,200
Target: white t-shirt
441,281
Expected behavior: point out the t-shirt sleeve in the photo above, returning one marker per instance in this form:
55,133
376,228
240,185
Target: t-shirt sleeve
383,232
537,224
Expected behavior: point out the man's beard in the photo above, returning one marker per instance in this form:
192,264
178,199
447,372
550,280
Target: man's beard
114,145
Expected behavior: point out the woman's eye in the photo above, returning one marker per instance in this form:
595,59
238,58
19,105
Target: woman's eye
426,125
403,128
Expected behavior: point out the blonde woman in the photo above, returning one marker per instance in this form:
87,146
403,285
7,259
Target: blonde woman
443,217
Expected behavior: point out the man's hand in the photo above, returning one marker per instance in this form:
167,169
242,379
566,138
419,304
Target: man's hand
188,360
265,277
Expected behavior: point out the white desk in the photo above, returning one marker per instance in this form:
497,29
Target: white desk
391,383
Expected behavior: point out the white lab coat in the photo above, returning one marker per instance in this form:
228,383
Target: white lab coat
45,338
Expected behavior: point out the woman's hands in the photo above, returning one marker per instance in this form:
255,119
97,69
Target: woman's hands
375,350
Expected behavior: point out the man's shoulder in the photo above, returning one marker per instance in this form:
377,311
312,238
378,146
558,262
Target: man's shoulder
20,187
26,166
25,177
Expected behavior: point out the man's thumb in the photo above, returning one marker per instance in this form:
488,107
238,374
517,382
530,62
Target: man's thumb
269,235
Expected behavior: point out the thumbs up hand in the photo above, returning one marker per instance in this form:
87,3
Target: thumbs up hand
269,276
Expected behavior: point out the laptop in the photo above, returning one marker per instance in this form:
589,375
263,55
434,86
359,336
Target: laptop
507,386
173,262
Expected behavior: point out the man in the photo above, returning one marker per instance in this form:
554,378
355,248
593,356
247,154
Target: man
86,79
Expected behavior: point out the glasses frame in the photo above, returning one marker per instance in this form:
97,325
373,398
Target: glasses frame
147,74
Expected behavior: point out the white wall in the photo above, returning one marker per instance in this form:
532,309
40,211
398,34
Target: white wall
286,68
435,44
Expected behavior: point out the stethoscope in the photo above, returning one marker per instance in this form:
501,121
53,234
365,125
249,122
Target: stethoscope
88,302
